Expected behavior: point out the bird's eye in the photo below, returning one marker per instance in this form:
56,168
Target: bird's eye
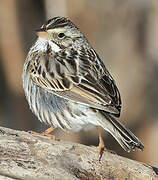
61,35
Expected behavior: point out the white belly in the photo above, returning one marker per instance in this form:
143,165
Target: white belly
83,118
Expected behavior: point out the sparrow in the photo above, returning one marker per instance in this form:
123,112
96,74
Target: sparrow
67,85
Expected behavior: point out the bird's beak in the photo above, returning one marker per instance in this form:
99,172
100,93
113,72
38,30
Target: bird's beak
42,33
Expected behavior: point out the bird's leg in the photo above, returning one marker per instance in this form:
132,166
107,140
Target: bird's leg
101,143
47,132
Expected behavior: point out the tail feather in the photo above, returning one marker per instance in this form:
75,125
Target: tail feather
124,136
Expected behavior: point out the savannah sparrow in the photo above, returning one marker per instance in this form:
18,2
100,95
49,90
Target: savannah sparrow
68,86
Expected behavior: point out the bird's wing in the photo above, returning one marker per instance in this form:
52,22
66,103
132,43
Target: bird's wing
77,76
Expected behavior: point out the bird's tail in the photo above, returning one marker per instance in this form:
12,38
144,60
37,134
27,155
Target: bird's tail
124,136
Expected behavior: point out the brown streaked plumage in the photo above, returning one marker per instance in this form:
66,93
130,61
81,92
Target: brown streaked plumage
68,86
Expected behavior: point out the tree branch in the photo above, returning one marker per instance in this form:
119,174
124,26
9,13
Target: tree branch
26,156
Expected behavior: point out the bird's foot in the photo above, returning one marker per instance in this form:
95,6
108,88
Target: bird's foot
47,133
43,134
34,133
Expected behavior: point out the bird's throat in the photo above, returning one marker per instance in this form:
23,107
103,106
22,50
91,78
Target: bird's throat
54,46
43,44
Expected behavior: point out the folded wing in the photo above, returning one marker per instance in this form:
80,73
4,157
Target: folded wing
78,76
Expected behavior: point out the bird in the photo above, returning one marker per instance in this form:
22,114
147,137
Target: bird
67,85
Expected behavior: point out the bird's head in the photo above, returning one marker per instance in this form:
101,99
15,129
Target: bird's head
60,33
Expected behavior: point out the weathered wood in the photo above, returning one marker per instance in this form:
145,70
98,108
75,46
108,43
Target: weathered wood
27,156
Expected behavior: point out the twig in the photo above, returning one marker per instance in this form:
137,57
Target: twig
26,156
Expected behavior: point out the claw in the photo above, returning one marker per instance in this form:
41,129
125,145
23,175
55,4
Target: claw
47,133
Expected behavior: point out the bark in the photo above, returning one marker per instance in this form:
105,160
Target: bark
27,156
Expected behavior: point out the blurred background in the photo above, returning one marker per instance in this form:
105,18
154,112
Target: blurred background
125,35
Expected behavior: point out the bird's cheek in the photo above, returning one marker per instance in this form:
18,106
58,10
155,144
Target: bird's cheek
67,42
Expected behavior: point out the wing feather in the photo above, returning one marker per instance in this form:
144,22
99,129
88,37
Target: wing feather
82,78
